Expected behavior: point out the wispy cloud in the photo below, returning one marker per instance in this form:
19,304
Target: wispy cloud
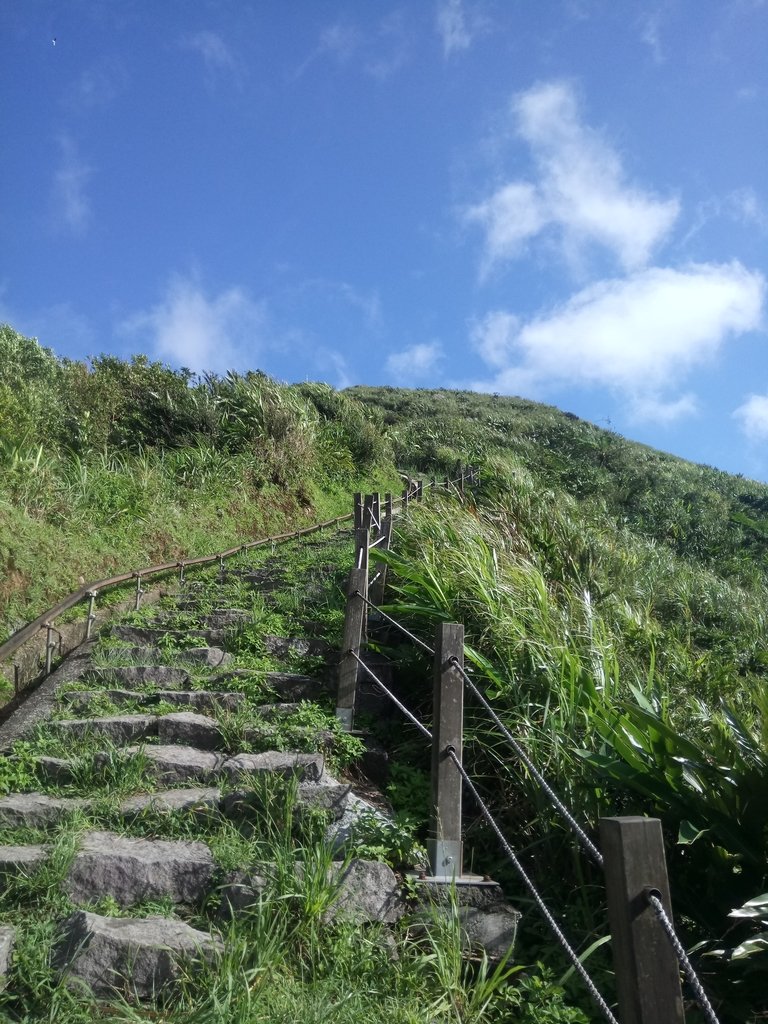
753,417
580,197
71,205
415,363
640,335
218,58
379,53
95,87
742,205
189,328
452,27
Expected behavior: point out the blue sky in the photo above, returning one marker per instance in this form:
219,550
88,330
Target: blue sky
562,199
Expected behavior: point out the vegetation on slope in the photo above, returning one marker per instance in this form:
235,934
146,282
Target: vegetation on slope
614,596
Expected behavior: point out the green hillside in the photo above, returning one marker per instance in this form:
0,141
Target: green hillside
614,597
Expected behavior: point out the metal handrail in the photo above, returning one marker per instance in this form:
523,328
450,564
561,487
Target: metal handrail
32,628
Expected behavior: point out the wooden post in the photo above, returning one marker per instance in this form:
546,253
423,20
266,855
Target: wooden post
358,510
444,844
432,484
367,506
388,505
376,510
353,634
419,490
647,971
406,495
461,480
380,568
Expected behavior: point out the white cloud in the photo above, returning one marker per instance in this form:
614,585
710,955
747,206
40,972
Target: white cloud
189,329
640,335
580,196
416,362
494,336
96,86
452,27
71,206
379,53
754,417
217,57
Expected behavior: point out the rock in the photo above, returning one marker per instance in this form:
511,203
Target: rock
492,931
78,702
200,700
306,767
170,800
7,935
22,860
189,729
132,870
151,635
283,647
228,618
134,957
117,728
35,810
171,764
56,770
367,891
290,686
241,890
341,834
205,657
331,797
132,677
375,763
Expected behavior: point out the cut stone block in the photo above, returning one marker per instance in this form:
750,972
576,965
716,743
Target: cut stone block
22,860
132,870
493,931
189,729
55,769
153,635
200,700
241,891
134,957
306,767
132,677
367,891
202,657
117,728
228,618
35,810
331,797
283,646
172,764
279,711
169,800
7,934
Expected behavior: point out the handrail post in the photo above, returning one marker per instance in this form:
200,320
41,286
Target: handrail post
49,646
139,591
354,620
376,509
419,490
444,844
358,510
406,497
380,568
388,504
462,478
91,617
647,970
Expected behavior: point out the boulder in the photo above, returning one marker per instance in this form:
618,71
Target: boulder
138,958
7,934
132,870
367,891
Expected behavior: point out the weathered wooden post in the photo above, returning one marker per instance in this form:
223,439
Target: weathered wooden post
444,844
358,509
432,484
419,490
376,510
367,507
647,970
91,617
388,505
354,624
380,568
462,478
406,496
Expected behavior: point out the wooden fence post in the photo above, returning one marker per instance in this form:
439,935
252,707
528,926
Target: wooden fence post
419,490
380,568
388,504
376,510
406,496
358,510
647,971
354,622
444,844
462,478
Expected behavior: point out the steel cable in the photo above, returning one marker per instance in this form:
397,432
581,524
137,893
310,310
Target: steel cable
578,831
693,979
570,952
408,714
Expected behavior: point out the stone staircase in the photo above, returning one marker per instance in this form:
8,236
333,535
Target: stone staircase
183,748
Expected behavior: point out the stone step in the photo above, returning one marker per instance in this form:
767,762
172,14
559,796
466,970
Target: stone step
287,646
79,701
203,657
22,860
184,727
132,677
169,801
132,870
36,810
172,765
288,686
152,636
138,958
306,767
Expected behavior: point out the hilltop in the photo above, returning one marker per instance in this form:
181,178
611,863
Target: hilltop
614,596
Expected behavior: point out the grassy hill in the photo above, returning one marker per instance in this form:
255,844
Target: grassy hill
614,596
